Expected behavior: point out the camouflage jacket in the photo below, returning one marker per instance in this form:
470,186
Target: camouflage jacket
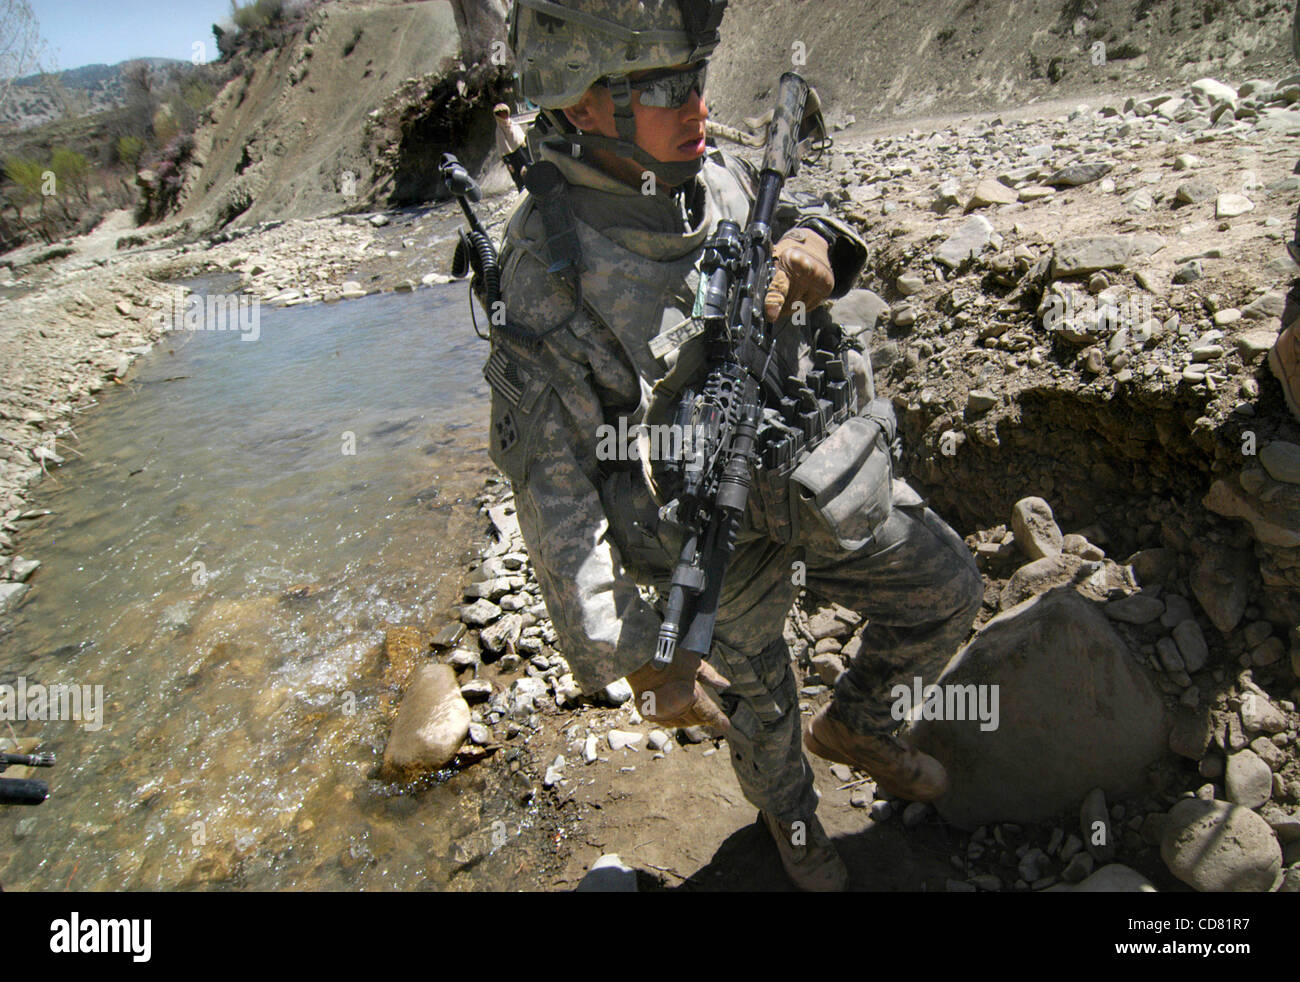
618,360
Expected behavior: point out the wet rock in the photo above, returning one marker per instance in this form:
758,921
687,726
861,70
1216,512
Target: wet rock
1221,582
10,594
476,690
432,723
405,652
1248,780
20,570
1214,846
480,613
1035,528
1076,712
967,242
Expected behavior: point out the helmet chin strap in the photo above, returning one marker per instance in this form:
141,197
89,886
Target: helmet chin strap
673,174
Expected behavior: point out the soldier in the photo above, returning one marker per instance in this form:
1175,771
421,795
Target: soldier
598,273
510,144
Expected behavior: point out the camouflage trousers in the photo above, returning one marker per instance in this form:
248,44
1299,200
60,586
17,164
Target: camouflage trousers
916,584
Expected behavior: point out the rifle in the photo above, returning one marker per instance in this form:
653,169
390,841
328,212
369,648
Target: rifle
24,791
723,418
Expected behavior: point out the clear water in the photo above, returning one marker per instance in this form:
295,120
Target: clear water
225,568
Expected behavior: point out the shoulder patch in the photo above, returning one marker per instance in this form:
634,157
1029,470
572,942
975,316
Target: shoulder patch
507,376
507,434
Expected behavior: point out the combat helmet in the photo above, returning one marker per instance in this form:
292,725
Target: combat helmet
562,47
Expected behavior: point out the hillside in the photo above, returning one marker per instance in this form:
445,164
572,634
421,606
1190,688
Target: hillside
284,138
77,92
374,89
906,57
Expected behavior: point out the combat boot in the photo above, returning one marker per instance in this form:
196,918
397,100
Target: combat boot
895,767
1284,360
814,865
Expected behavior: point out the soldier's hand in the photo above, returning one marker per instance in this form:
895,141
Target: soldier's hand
674,697
801,272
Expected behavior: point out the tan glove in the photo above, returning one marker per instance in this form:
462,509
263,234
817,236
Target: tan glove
801,272
674,697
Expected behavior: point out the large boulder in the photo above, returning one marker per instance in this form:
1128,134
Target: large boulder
1076,711
432,722
1214,847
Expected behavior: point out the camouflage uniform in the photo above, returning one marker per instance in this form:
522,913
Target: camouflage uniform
592,526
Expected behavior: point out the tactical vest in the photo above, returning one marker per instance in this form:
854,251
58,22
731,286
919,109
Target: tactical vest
646,306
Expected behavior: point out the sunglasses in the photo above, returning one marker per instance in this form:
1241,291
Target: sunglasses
669,88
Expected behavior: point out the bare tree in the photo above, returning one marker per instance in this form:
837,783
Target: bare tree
480,22
21,45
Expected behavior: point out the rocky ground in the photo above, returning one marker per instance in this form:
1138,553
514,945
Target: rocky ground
1071,313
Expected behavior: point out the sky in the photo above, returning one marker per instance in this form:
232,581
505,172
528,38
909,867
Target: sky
86,32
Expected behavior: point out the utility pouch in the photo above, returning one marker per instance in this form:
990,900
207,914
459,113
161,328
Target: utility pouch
634,525
847,481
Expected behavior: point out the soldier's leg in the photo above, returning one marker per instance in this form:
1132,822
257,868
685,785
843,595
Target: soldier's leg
919,588
762,703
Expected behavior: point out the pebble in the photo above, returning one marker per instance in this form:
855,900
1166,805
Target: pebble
1192,645
554,773
589,749
1177,609
658,739
618,739
1282,461
1215,847
1232,205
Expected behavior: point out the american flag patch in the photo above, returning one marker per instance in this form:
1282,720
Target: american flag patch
504,376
